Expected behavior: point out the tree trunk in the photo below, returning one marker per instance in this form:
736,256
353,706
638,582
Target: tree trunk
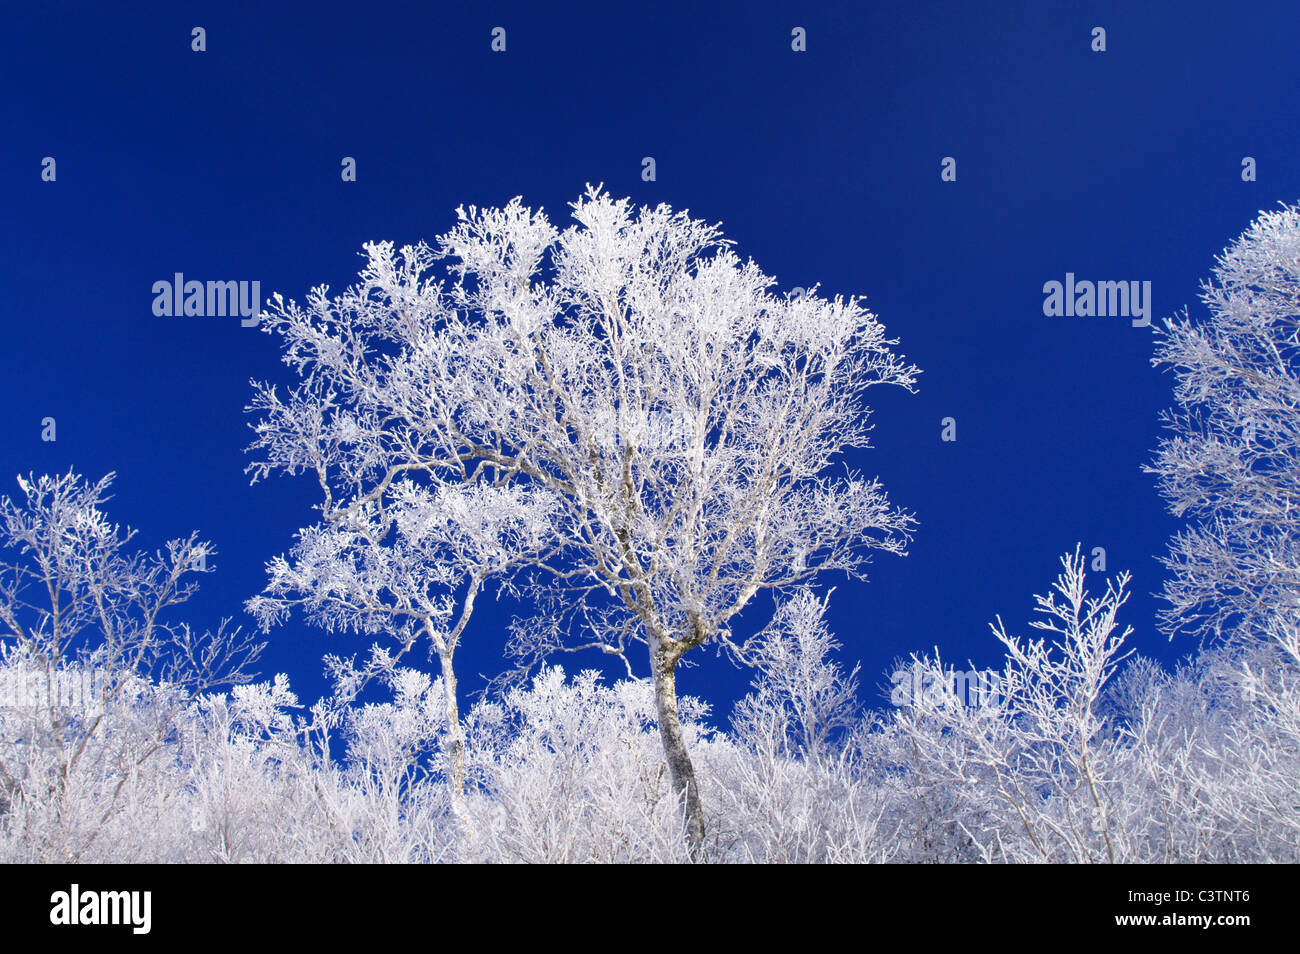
454,742
663,663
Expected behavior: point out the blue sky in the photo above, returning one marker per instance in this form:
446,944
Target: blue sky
822,165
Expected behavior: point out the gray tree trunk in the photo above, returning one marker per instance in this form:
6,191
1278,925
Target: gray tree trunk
454,742
663,663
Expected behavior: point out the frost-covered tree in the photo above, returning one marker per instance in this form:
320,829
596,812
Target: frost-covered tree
408,561
801,695
94,674
806,781
1232,464
629,383
1034,765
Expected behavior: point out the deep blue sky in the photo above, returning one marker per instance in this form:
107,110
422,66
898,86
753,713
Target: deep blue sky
823,166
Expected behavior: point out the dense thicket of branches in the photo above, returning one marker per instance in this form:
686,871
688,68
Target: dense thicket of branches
1197,765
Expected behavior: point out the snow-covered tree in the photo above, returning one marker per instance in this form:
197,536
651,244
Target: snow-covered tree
628,383
408,561
801,696
1232,464
1034,765
806,780
95,676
